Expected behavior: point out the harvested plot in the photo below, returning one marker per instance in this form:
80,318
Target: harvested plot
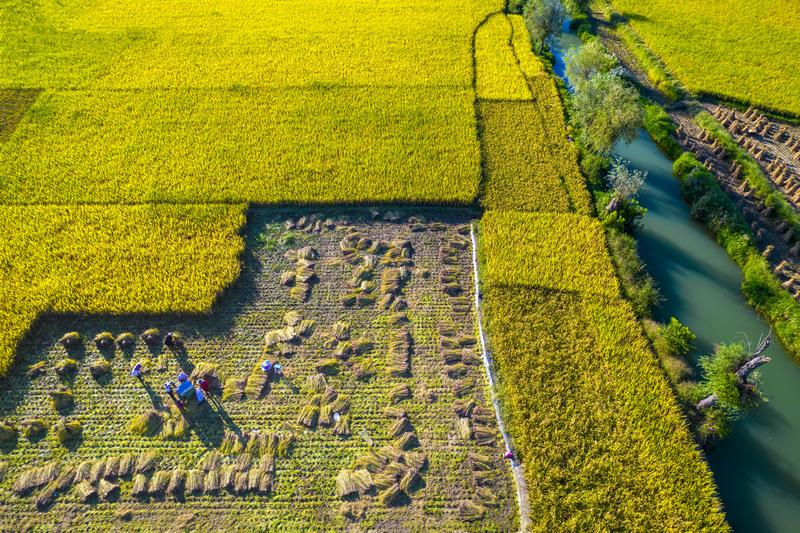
737,50
380,420
550,251
120,259
528,161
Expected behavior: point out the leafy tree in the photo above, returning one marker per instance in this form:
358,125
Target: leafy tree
605,109
544,18
624,182
622,209
586,61
720,378
730,382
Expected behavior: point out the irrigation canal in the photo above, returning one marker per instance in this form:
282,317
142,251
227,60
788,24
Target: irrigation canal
757,468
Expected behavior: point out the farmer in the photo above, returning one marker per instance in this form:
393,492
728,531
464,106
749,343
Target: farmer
266,366
169,340
277,369
169,387
508,455
137,372
182,377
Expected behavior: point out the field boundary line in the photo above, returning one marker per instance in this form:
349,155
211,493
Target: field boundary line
516,467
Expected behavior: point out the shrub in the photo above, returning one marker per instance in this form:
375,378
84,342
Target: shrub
638,286
661,128
679,338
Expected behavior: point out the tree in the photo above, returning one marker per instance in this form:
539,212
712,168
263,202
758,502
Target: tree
622,210
624,182
585,62
730,378
605,109
679,338
544,18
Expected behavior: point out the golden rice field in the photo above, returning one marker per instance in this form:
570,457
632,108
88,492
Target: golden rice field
133,138
241,102
734,49
562,252
592,416
112,259
528,161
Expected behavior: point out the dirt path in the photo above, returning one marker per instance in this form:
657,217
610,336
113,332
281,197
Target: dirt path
615,45
516,467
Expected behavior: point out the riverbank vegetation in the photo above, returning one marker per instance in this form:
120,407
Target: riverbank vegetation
751,172
711,206
712,50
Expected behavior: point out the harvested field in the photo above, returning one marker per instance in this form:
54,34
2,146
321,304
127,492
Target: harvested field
271,471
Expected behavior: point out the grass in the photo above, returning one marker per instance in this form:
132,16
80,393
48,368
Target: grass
146,259
744,52
528,161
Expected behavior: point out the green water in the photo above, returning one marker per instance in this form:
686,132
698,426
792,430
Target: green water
757,468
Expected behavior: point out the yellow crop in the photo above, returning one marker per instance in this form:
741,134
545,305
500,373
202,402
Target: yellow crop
303,102
552,251
345,145
498,74
528,161
735,49
594,421
120,259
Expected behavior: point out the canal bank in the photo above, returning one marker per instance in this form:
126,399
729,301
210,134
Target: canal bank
757,468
